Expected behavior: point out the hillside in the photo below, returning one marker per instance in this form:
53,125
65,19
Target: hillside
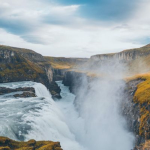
18,64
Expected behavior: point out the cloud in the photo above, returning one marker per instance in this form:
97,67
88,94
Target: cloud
106,10
15,26
67,29
60,15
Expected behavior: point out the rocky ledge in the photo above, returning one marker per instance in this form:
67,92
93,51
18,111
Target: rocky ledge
8,144
26,91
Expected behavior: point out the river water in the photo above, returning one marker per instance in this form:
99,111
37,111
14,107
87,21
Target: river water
90,127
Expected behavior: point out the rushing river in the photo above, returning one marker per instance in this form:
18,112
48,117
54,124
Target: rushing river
42,118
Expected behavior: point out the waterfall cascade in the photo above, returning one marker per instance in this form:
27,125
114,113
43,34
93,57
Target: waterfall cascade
96,125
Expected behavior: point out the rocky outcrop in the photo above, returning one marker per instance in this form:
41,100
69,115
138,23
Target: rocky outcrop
25,92
58,74
4,90
74,80
18,64
26,65
8,144
145,146
131,110
25,95
25,53
124,56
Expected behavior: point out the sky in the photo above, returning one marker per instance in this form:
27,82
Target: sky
75,28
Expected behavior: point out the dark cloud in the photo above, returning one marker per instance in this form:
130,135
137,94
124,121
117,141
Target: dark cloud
15,26
21,28
104,10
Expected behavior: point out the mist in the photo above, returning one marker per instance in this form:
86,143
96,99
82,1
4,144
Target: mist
89,119
98,103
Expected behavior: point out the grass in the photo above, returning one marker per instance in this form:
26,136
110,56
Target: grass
3,47
142,97
61,62
20,67
8,144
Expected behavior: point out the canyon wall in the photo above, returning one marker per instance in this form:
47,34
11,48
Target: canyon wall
124,56
26,65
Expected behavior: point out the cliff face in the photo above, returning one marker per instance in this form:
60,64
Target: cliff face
124,56
74,80
26,65
145,146
131,110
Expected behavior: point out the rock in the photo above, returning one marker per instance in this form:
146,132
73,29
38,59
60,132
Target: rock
27,91
4,90
74,80
131,111
25,94
145,146
18,64
8,144
124,56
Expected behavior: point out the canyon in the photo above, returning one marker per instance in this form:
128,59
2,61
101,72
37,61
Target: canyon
18,65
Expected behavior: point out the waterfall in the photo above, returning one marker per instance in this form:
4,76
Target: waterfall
90,121
38,118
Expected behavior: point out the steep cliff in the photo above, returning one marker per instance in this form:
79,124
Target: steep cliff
126,55
131,110
135,61
26,65
61,65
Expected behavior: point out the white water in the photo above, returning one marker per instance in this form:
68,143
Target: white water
98,127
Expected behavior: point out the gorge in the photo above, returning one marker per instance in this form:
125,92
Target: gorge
96,103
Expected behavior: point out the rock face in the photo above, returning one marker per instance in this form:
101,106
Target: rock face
145,146
58,74
26,65
8,144
73,80
17,64
25,95
124,56
131,110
